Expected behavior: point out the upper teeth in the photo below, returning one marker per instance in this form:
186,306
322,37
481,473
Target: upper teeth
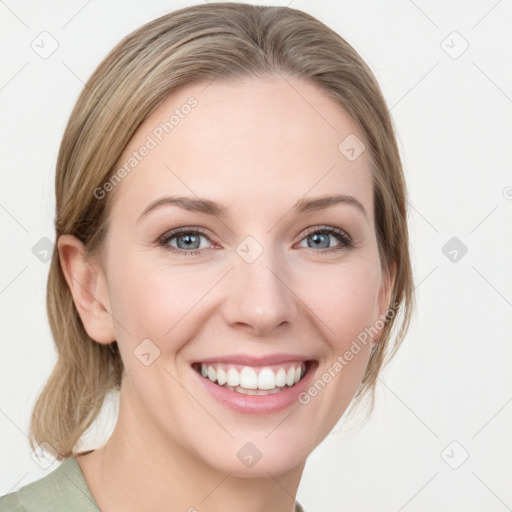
248,378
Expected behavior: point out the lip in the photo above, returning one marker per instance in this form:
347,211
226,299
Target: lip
258,404
247,360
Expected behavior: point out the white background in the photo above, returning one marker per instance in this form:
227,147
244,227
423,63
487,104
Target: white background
451,380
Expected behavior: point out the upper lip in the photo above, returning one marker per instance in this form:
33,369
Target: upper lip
247,360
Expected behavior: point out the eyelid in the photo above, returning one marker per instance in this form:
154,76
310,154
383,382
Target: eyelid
163,239
346,241
188,229
330,230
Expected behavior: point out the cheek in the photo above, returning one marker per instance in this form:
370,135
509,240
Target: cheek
161,296
155,300
344,297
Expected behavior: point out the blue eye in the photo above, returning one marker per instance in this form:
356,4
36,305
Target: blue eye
320,238
188,240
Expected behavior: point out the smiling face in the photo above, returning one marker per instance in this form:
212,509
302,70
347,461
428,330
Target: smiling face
267,277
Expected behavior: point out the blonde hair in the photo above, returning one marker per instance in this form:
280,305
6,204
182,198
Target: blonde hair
192,45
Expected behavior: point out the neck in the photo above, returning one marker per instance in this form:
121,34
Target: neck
140,469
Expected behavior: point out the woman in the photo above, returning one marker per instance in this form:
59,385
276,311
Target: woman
232,256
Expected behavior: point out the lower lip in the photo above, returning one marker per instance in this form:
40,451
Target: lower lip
258,404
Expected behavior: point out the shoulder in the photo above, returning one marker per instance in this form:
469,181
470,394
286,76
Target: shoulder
11,503
61,490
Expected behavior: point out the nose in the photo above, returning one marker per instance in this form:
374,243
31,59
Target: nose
259,297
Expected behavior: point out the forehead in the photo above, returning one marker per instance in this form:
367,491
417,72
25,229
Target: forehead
246,142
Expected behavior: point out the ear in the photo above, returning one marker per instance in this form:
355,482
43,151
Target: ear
388,281
87,283
384,299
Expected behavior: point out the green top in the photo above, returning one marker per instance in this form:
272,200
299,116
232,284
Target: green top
62,490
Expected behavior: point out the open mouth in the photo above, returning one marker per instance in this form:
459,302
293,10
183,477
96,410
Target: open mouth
251,380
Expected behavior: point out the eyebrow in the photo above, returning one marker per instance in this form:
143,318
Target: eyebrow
213,208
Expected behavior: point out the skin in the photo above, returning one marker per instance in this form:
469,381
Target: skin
256,146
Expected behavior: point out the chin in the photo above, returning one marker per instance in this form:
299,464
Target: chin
244,458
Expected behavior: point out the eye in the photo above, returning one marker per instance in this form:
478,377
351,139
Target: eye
321,237
184,241
189,241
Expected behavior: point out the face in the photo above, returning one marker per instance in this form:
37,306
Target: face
249,280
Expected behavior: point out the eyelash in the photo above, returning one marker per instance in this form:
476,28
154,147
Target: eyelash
344,238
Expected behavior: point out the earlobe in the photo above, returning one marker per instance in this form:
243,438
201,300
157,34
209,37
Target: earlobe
86,281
